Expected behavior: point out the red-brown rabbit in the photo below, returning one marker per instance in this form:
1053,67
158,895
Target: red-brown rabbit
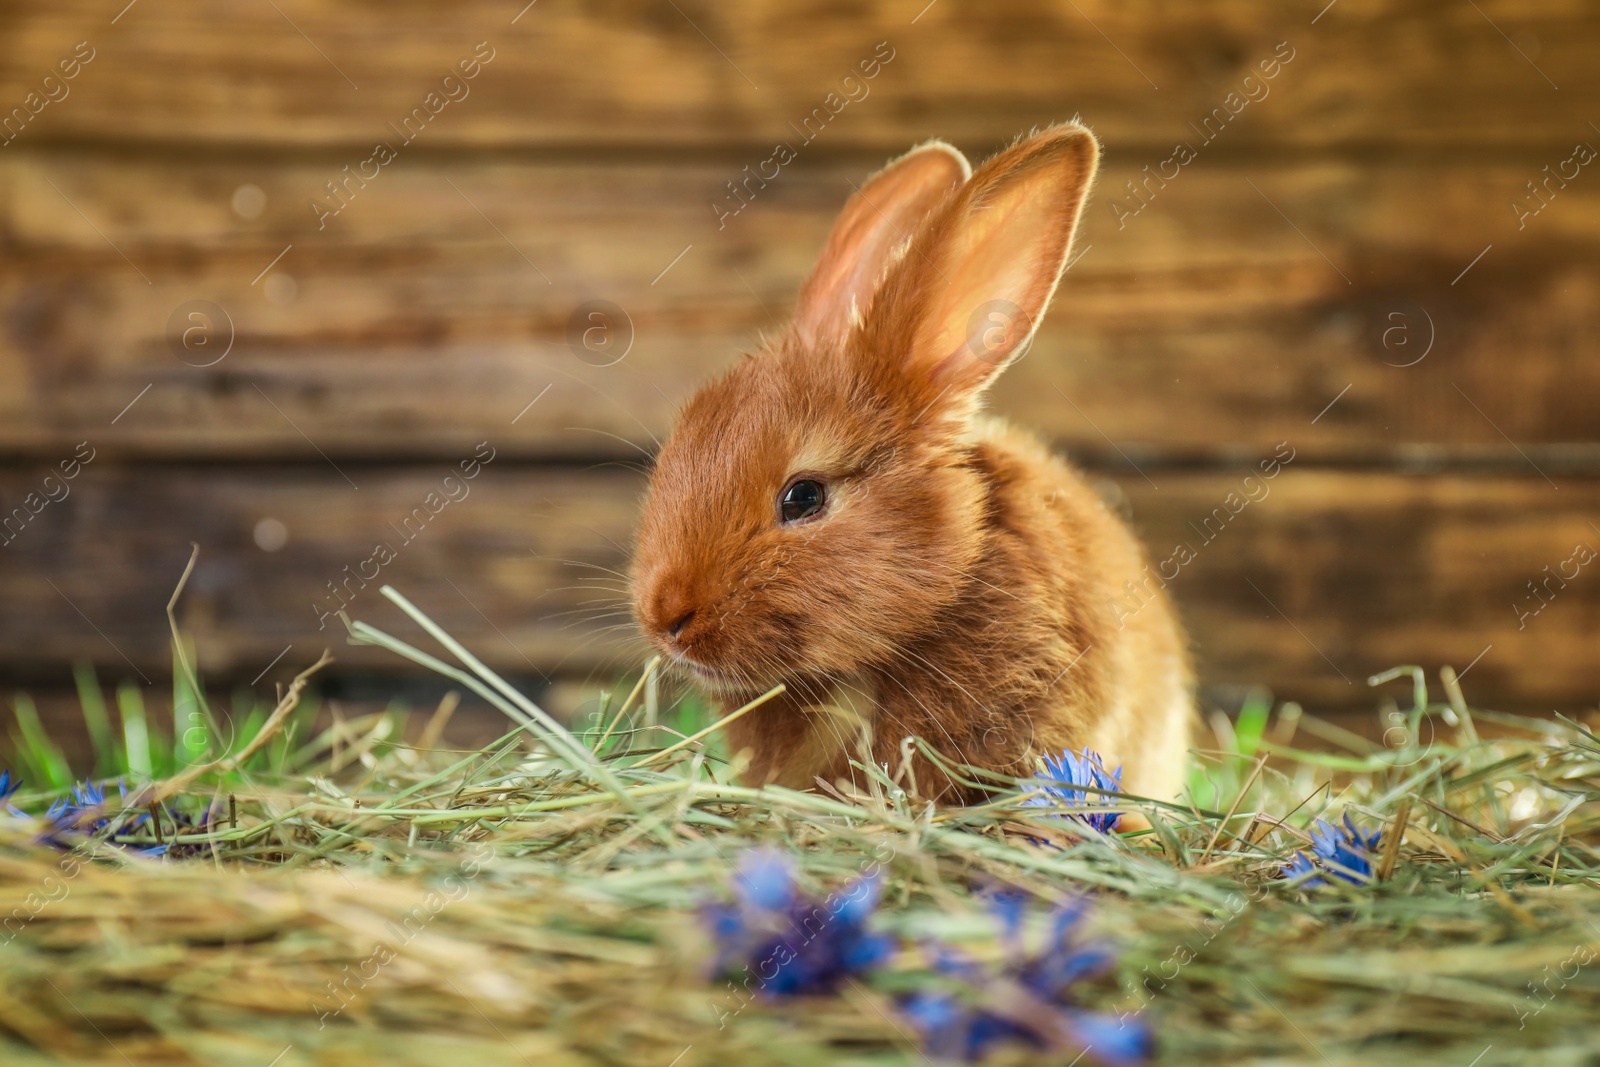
834,513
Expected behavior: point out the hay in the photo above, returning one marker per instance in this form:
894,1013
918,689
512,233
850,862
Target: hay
371,901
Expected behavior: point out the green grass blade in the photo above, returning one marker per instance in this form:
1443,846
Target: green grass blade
555,732
39,750
1251,722
191,731
135,731
108,759
561,742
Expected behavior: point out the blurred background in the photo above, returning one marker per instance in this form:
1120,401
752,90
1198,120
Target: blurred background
270,272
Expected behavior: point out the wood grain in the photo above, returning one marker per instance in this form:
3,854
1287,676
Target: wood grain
1322,579
1351,264
438,303
628,74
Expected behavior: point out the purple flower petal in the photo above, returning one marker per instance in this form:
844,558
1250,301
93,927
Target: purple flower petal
1009,906
952,1028
765,880
1064,778
792,945
859,899
1342,851
1111,1040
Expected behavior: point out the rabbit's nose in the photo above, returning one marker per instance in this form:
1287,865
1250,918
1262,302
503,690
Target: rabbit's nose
672,610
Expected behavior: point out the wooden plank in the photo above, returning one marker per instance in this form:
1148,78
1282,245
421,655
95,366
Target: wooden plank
438,303
1338,575
697,74
519,545
1320,580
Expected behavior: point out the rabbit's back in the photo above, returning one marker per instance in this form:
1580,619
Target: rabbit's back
1042,653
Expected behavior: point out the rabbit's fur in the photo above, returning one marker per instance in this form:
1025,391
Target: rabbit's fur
959,583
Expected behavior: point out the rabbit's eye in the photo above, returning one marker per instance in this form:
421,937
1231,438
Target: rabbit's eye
801,500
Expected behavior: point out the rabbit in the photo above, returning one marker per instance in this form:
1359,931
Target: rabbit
836,514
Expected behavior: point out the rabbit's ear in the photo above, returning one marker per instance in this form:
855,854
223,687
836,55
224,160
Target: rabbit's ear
978,278
882,216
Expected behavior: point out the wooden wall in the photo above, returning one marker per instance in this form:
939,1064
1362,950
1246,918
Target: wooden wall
1341,267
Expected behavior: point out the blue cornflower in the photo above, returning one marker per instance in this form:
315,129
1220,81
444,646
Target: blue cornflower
1345,852
1028,999
8,786
1064,779
789,945
84,814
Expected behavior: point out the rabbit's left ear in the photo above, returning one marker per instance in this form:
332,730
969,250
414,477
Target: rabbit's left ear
979,276
882,216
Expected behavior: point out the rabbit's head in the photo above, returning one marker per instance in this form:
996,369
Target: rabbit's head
818,505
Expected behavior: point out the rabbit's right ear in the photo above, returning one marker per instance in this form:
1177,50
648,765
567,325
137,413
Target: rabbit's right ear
966,299
881,217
